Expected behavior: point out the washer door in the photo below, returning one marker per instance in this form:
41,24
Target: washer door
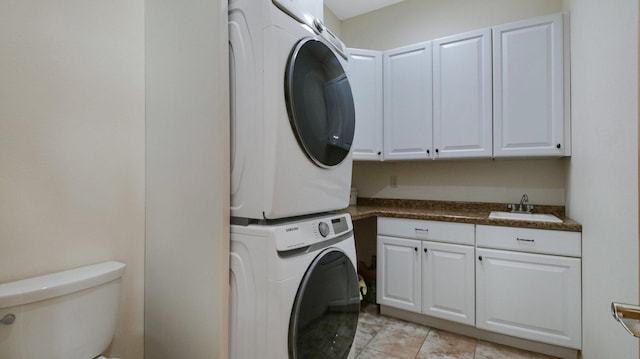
324,318
319,102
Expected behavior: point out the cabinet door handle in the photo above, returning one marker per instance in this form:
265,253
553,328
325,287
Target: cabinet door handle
425,250
422,229
379,153
558,146
415,249
428,151
480,258
437,150
525,240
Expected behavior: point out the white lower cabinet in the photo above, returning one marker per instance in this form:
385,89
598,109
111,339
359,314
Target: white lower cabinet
520,282
398,283
448,282
427,276
526,294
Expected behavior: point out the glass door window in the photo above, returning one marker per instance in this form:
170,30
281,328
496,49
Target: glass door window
319,103
324,318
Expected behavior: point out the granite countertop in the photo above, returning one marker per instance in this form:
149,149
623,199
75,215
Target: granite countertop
462,212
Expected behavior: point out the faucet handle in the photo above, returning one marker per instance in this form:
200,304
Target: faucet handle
528,208
512,207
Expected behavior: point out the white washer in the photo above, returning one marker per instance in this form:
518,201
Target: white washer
292,114
294,290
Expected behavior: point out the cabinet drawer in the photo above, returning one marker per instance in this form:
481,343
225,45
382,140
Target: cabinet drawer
459,233
530,240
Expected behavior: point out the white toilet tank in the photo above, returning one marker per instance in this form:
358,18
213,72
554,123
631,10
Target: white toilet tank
64,315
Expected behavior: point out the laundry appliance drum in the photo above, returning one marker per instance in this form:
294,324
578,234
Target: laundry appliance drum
324,318
319,102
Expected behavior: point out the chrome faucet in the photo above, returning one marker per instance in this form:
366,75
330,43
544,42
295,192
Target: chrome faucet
521,207
524,199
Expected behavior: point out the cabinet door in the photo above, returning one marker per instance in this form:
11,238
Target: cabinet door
528,97
407,102
365,77
462,107
448,282
531,296
398,275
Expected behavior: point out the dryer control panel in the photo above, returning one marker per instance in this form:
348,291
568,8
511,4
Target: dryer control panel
304,11
304,233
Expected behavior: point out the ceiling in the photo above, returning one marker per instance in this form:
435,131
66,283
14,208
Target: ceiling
345,9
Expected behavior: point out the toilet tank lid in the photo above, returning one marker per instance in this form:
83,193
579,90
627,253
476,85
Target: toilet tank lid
60,283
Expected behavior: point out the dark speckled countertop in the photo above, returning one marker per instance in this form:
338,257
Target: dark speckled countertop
462,212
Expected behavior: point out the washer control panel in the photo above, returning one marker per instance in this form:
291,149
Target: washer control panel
340,224
304,233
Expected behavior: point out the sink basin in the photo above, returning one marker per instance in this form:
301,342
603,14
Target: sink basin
536,217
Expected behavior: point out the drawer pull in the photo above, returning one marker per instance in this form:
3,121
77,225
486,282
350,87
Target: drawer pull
480,258
421,229
525,240
425,250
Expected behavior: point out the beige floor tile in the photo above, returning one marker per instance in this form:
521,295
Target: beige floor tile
362,339
372,320
400,339
368,326
541,356
374,354
487,350
445,345
384,337
369,323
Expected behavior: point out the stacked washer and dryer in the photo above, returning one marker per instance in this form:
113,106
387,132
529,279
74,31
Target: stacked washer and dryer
293,284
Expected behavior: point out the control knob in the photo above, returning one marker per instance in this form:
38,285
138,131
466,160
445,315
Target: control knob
323,227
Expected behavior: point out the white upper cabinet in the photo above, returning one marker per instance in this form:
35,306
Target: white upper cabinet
528,96
462,113
365,73
407,102
492,92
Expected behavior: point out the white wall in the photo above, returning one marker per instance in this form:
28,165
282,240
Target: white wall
603,172
332,22
72,144
414,21
474,180
187,248
501,181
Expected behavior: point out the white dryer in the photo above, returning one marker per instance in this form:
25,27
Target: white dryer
292,112
294,290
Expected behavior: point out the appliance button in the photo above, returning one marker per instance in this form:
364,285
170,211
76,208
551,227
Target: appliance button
323,227
318,25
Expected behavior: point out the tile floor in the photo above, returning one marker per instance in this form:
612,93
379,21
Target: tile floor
379,336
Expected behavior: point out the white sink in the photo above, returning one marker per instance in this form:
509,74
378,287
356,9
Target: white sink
537,217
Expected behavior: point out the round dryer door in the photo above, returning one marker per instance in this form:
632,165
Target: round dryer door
324,318
319,102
